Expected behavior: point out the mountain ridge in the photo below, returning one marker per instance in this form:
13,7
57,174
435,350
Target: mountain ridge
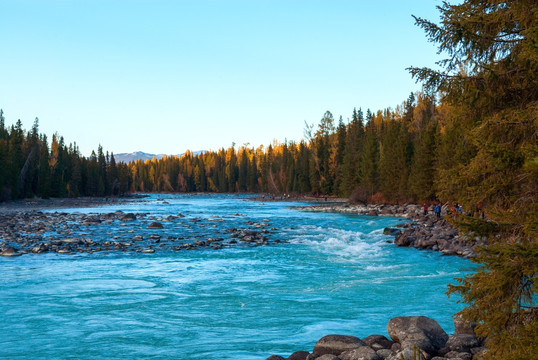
140,155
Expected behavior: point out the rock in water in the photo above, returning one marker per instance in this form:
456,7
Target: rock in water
299,355
361,353
128,217
336,344
420,331
155,225
9,251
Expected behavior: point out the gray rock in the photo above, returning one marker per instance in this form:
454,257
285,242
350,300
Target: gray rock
128,217
384,353
391,231
378,339
361,353
299,355
275,357
419,331
462,326
478,350
406,354
328,357
9,252
337,344
458,355
462,343
155,225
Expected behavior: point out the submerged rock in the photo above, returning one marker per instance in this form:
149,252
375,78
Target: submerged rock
155,225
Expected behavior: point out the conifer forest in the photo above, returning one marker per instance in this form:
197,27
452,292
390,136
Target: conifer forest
391,154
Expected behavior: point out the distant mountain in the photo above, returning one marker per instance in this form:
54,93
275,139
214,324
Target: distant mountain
140,155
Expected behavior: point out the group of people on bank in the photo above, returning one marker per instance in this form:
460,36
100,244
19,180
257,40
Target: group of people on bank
451,210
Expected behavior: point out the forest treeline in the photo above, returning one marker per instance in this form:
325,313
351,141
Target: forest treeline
391,155
30,167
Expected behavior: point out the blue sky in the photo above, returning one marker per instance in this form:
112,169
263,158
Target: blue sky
166,76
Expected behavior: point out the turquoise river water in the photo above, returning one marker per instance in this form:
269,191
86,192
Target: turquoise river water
331,274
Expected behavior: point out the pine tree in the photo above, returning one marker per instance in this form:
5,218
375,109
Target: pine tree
44,169
3,158
369,173
339,156
491,79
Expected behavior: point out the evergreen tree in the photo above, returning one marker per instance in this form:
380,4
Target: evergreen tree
4,170
423,170
44,169
491,79
369,175
339,156
243,170
393,169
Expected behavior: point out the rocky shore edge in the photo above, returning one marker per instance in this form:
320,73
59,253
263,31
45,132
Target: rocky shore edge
411,338
423,231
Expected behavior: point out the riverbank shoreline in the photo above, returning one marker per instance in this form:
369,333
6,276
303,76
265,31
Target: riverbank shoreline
424,231
411,338
38,204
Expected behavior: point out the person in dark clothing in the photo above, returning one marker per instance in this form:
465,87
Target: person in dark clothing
438,210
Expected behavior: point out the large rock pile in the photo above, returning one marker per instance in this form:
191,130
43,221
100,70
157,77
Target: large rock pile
412,338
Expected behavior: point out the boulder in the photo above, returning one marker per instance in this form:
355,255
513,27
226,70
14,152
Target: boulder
299,355
462,343
404,240
378,339
155,225
128,217
9,252
391,231
459,355
328,357
384,353
361,353
275,357
407,354
337,344
419,331
462,326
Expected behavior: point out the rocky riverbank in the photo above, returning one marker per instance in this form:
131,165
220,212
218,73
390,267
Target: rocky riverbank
37,232
411,338
425,232
28,205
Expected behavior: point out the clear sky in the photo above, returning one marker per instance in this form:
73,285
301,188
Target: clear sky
163,76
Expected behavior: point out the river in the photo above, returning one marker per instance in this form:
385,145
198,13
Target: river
330,274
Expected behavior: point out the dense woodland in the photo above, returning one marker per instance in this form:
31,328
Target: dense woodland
392,154
470,137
